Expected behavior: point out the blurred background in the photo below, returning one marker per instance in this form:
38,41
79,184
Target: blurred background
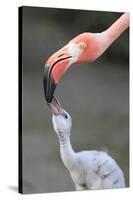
96,95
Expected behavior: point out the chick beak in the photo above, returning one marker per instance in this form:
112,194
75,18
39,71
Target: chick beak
55,106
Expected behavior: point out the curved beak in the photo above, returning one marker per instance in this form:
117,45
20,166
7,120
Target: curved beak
49,84
54,69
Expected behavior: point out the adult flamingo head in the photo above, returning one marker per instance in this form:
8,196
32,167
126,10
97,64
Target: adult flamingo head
83,48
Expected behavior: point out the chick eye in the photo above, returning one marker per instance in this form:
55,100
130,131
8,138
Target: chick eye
65,115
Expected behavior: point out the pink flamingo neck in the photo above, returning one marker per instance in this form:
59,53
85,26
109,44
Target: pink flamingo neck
107,37
117,28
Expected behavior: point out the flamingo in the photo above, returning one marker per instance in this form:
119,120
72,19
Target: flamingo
89,169
85,47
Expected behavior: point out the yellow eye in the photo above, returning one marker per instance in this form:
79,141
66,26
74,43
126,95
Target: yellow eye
82,45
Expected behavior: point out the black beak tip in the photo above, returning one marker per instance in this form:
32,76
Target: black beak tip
50,92
48,84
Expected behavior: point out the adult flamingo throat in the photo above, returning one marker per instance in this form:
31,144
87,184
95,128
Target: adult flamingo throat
85,47
89,169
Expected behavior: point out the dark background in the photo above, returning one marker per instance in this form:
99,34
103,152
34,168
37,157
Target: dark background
96,95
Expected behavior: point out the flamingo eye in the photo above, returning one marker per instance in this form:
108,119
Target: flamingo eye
82,45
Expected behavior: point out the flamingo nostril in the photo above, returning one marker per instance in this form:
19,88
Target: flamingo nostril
60,55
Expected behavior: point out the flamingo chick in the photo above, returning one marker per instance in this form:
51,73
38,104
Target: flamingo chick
89,169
